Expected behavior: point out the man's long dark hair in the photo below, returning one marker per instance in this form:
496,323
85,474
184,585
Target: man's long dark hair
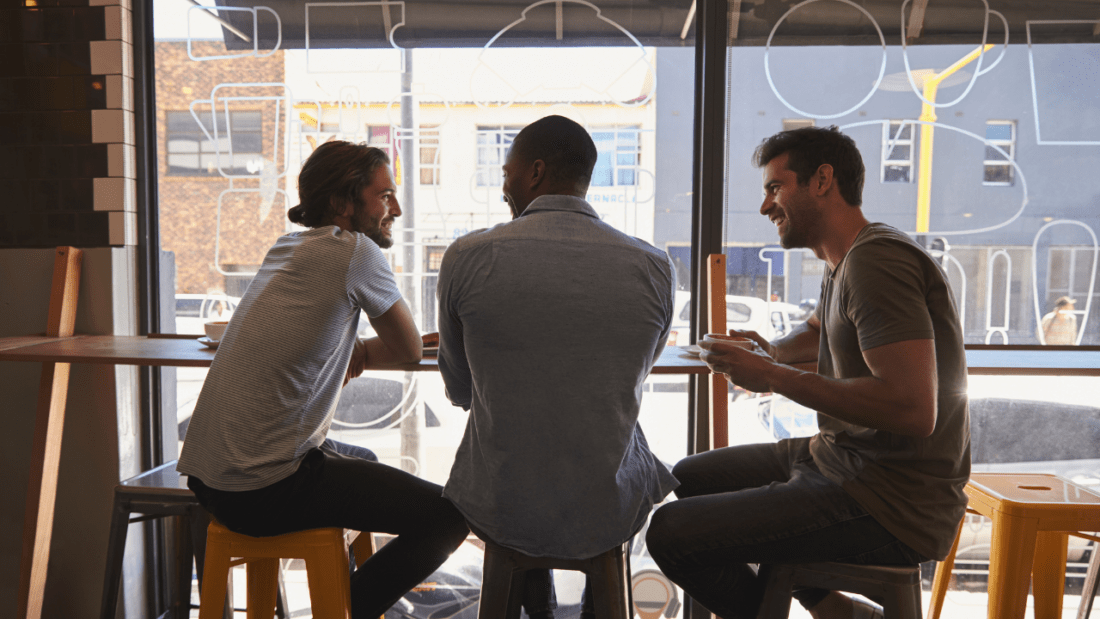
340,170
809,148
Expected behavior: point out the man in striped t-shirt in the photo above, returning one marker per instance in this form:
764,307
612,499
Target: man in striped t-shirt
255,452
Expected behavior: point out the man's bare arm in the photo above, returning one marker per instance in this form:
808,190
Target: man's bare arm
899,396
798,348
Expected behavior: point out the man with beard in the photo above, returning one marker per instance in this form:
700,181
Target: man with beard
256,452
882,481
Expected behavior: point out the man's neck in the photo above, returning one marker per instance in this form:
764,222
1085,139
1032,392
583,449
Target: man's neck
843,225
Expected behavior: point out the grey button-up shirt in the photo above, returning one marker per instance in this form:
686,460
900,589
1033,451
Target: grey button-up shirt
548,327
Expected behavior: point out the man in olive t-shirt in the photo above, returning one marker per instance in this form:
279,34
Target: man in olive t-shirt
882,482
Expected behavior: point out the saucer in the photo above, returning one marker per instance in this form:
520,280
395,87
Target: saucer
209,343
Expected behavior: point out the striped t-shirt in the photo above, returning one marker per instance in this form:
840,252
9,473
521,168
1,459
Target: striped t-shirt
272,389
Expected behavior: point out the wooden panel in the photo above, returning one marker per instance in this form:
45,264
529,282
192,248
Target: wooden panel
46,443
716,319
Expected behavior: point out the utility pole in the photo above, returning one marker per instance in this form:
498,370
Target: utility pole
407,139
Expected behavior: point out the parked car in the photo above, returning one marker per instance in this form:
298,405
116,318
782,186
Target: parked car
769,318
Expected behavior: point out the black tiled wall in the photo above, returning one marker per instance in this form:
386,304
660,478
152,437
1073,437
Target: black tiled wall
47,94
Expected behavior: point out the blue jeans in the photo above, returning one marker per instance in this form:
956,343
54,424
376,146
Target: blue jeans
755,504
340,485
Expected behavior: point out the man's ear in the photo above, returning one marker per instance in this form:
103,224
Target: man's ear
538,173
823,177
340,207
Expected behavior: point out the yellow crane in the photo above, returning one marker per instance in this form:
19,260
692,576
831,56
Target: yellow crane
928,114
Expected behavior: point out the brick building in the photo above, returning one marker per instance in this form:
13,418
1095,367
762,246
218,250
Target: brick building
190,187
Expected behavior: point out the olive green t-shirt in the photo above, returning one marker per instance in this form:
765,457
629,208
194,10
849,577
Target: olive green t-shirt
888,289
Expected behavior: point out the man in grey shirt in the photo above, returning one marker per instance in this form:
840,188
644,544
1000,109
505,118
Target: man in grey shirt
548,327
882,481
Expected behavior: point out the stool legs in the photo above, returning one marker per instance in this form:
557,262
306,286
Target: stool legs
1048,574
116,548
942,579
611,586
501,586
329,579
776,603
1088,592
217,563
263,587
1010,559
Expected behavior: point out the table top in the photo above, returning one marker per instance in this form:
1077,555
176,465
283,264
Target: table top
186,351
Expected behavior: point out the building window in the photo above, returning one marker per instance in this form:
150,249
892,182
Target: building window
897,152
619,156
191,153
429,154
789,124
998,170
493,143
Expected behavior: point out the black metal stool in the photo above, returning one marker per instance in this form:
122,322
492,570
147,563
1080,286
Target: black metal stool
160,493
896,588
502,581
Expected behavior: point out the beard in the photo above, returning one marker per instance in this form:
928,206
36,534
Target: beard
373,229
802,226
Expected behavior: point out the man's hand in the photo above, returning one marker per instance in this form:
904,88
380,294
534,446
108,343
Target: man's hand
748,369
358,361
767,346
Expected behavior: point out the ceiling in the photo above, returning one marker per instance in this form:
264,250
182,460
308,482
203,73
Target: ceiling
474,23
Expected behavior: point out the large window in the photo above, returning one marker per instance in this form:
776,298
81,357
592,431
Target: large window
444,93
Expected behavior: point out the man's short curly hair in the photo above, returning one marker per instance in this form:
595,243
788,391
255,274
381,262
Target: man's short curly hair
811,147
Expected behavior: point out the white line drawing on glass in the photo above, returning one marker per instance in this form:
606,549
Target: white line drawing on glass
983,140
286,99
649,83
989,328
1035,276
1034,90
218,225
388,27
768,71
978,71
961,295
255,33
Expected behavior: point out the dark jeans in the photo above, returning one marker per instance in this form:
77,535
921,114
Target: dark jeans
339,485
760,504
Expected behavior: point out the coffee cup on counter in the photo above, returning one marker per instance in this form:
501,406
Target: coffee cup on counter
215,329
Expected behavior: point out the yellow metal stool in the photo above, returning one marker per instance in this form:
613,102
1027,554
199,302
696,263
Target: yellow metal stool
1033,516
325,552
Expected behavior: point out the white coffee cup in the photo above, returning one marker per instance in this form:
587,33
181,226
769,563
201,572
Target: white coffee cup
215,329
736,340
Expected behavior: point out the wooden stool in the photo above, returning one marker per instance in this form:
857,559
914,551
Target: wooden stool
325,552
1033,516
897,588
502,581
